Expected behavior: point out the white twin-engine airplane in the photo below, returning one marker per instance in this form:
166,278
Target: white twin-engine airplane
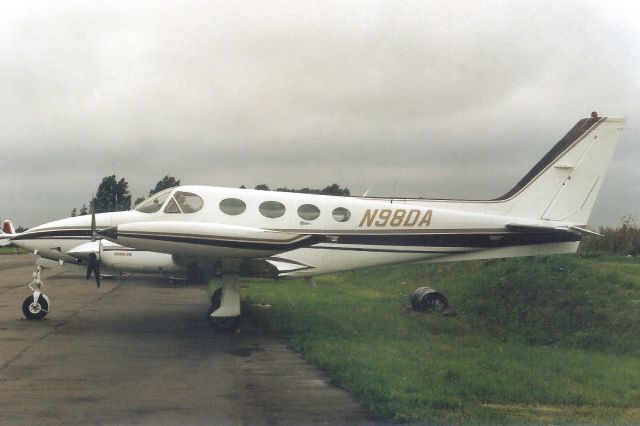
232,232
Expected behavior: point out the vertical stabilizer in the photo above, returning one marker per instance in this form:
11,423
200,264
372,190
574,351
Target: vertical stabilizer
7,227
563,186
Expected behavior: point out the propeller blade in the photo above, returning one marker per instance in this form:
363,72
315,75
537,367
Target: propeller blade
93,267
97,272
90,264
93,260
93,225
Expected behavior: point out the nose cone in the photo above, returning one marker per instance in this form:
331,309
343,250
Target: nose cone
110,234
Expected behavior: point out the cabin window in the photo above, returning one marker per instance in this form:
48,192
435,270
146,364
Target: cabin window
232,206
271,209
188,202
154,202
341,214
308,212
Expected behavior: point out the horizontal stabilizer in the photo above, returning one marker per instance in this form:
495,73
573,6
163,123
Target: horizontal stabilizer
540,228
584,231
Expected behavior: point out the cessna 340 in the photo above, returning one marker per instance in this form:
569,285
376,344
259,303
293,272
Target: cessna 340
241,232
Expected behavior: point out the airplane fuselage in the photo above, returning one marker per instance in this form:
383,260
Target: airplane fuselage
305,234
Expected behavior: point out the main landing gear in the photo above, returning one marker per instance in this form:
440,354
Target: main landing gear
36,306
224,312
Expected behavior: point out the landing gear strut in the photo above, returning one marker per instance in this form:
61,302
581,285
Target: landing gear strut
36,306
224,312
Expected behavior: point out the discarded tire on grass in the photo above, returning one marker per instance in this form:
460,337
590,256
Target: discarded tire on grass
426,299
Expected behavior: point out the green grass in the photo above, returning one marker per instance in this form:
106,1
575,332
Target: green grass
537,340
12,250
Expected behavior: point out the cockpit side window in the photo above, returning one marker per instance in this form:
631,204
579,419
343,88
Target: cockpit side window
154,202
188,202
184,202
172,207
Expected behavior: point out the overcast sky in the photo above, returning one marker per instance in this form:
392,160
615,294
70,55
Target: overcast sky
424,98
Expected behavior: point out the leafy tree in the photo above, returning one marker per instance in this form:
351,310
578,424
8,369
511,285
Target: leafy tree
336,190
262,187
112,195
164,183
83,210
74,212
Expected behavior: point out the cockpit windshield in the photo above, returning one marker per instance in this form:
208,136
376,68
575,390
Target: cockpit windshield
154,202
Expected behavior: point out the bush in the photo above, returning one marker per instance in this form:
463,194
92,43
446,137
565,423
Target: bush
625,239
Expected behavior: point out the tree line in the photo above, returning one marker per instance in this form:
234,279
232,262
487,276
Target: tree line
334,189
113,195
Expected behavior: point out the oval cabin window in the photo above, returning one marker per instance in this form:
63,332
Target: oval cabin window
232,206
271,209
308,212
341,214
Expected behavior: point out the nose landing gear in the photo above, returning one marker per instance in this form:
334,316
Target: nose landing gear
36,306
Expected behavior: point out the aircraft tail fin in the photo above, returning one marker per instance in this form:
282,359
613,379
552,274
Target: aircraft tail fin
7,227
564,184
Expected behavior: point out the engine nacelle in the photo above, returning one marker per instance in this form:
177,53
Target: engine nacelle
210,240
123,259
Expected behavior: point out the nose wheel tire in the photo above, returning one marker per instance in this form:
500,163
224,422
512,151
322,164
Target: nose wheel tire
35,310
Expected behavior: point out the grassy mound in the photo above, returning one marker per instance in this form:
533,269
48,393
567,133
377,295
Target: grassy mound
554,301
544,340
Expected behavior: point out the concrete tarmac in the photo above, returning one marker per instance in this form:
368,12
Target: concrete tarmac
139,351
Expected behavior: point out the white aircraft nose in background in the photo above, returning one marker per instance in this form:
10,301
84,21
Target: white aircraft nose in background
8,232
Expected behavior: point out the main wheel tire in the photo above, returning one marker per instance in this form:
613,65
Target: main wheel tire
221,324
35,311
